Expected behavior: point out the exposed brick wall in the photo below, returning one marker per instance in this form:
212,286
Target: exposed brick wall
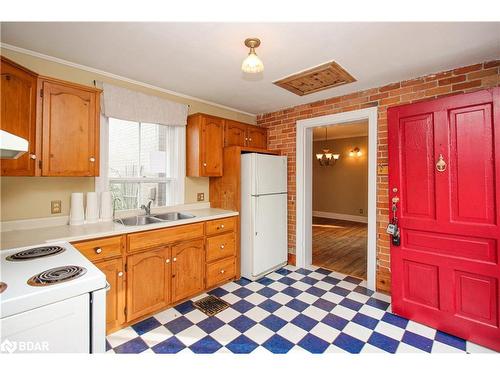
281,127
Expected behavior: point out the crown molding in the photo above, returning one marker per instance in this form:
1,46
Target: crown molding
116,76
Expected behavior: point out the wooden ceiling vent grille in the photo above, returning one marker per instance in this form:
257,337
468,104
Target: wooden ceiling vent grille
316,79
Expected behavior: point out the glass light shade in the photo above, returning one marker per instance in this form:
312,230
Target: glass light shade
252,63
336,156
351,154
319,156
328,155
359,154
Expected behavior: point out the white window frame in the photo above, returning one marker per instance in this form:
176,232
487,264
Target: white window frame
177,143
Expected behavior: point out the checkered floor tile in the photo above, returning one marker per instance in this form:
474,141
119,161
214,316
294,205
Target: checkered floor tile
312,310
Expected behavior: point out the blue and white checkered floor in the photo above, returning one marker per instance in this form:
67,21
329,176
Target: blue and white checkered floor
312,310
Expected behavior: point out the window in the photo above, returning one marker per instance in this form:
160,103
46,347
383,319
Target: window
145,162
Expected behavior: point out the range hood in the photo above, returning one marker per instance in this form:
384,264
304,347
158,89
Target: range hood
12,146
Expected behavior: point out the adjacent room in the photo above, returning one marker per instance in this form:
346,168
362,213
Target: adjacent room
340,198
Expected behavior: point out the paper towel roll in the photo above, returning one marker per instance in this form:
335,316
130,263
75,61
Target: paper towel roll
92,209
76,214
106,206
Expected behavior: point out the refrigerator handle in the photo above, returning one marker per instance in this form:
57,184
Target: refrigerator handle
255,214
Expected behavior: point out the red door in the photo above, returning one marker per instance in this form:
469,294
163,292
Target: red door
443,162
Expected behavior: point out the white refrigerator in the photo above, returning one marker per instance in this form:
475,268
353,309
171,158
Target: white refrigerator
264,243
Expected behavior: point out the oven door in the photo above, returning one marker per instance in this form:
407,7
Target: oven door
61,327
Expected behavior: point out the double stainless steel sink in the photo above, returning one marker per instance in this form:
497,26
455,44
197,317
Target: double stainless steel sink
153,219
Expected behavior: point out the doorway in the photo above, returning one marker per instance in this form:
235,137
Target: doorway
340,198
304,210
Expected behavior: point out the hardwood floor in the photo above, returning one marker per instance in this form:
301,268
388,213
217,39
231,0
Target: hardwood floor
340,246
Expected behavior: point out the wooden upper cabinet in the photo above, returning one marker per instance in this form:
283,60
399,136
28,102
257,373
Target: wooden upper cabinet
204,144
115,297
148,282
257,137
18,92
244,135
70,125
188,263
235,133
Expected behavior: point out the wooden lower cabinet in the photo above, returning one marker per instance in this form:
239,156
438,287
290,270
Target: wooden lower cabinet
148,282
115,297
188,265
151,270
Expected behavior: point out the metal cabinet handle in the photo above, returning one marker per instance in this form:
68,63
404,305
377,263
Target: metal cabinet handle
120,274
175,259
32,156
92,159
98,250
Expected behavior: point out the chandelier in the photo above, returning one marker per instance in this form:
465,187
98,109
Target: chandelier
327,157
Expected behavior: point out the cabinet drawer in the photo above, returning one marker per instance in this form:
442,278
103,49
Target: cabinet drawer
155,238
222,246
221,225
102,248
220,271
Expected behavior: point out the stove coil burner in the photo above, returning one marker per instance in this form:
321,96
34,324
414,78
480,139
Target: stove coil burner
57,275
36,252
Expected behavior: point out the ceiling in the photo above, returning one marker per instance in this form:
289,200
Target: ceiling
203,60
347,130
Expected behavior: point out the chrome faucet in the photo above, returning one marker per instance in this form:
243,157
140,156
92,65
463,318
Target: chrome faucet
147,207
114,205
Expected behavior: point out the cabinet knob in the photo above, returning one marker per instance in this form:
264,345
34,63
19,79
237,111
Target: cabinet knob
250,139
120,274
32,156
92,159
222,246
175,259
246,138
98,250
222,271
168,260
222,226
204,164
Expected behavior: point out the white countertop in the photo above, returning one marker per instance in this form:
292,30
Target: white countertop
35,236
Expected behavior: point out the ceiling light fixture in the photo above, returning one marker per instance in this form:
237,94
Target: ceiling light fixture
252,63
327,158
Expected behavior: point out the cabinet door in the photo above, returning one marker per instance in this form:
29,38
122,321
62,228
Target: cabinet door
234,133
211,146
70,130
148,282
257,137
115,297
188,259
18,96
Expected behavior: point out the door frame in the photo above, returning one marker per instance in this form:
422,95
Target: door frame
303,243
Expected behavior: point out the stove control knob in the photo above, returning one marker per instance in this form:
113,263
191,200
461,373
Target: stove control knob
98,250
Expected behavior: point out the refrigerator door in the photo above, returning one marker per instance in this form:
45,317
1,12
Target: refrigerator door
270,174
270,245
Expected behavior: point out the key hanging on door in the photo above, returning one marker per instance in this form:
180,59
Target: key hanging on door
392,227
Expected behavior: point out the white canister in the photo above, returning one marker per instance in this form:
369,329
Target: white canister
76,214
106,206
92,209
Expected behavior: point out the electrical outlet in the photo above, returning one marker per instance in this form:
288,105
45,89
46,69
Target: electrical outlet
200,197
360,210
55,207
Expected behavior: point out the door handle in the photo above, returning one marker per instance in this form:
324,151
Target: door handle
441,164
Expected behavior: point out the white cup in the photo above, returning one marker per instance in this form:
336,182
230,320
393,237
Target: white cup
76,215
92,209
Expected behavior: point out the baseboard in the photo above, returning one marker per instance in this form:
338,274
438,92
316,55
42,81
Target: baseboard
333,215
291,259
